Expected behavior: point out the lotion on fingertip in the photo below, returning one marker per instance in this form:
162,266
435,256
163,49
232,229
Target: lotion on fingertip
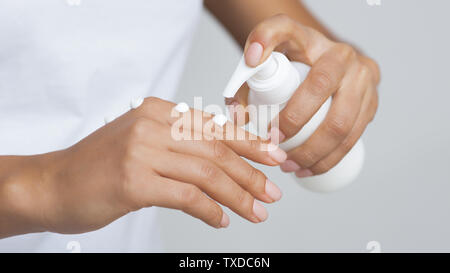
182,107
135,103
220,119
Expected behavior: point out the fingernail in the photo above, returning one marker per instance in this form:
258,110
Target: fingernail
273,191
289,166
254,54
259,211
276,136
303,173
225,220
276,153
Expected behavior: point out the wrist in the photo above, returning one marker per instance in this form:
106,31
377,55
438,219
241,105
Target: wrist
25,195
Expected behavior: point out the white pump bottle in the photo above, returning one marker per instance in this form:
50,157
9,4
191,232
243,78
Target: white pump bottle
271,84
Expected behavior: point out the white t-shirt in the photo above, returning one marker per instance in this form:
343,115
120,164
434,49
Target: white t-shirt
58,60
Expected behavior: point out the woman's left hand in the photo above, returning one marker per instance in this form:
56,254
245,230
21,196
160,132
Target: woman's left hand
337,70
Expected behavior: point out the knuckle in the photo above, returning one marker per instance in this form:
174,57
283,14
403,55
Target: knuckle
220,150
256,180
253,148
189,196
278,24
245,201
149,105
254,145
374,68
364,73
264,31
214,215
338,127
364,70
306,157
291,118
283,18
321,167
321,81
149,101
208,171
346,51
139,128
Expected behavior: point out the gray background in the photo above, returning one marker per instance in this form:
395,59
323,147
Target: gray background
401,199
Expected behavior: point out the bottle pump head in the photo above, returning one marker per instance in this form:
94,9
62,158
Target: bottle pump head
244,72
272,82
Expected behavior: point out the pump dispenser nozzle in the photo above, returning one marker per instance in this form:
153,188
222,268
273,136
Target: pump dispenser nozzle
272,82
244,72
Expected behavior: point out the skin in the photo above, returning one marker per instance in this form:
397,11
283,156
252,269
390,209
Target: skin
338,70
132,162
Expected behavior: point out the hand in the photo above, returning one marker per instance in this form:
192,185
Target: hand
337,70
134,162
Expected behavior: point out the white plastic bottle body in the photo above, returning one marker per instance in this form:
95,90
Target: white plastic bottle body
340,175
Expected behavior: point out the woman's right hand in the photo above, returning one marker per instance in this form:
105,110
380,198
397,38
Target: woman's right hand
134,162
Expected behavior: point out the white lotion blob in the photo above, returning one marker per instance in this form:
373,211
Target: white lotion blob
220,119
108,119
182,107
135,103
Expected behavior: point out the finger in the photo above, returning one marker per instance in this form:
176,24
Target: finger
279,30
368,110
237,106
208,177
199,125
337,124
170,193
323,80
266,37
248,177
